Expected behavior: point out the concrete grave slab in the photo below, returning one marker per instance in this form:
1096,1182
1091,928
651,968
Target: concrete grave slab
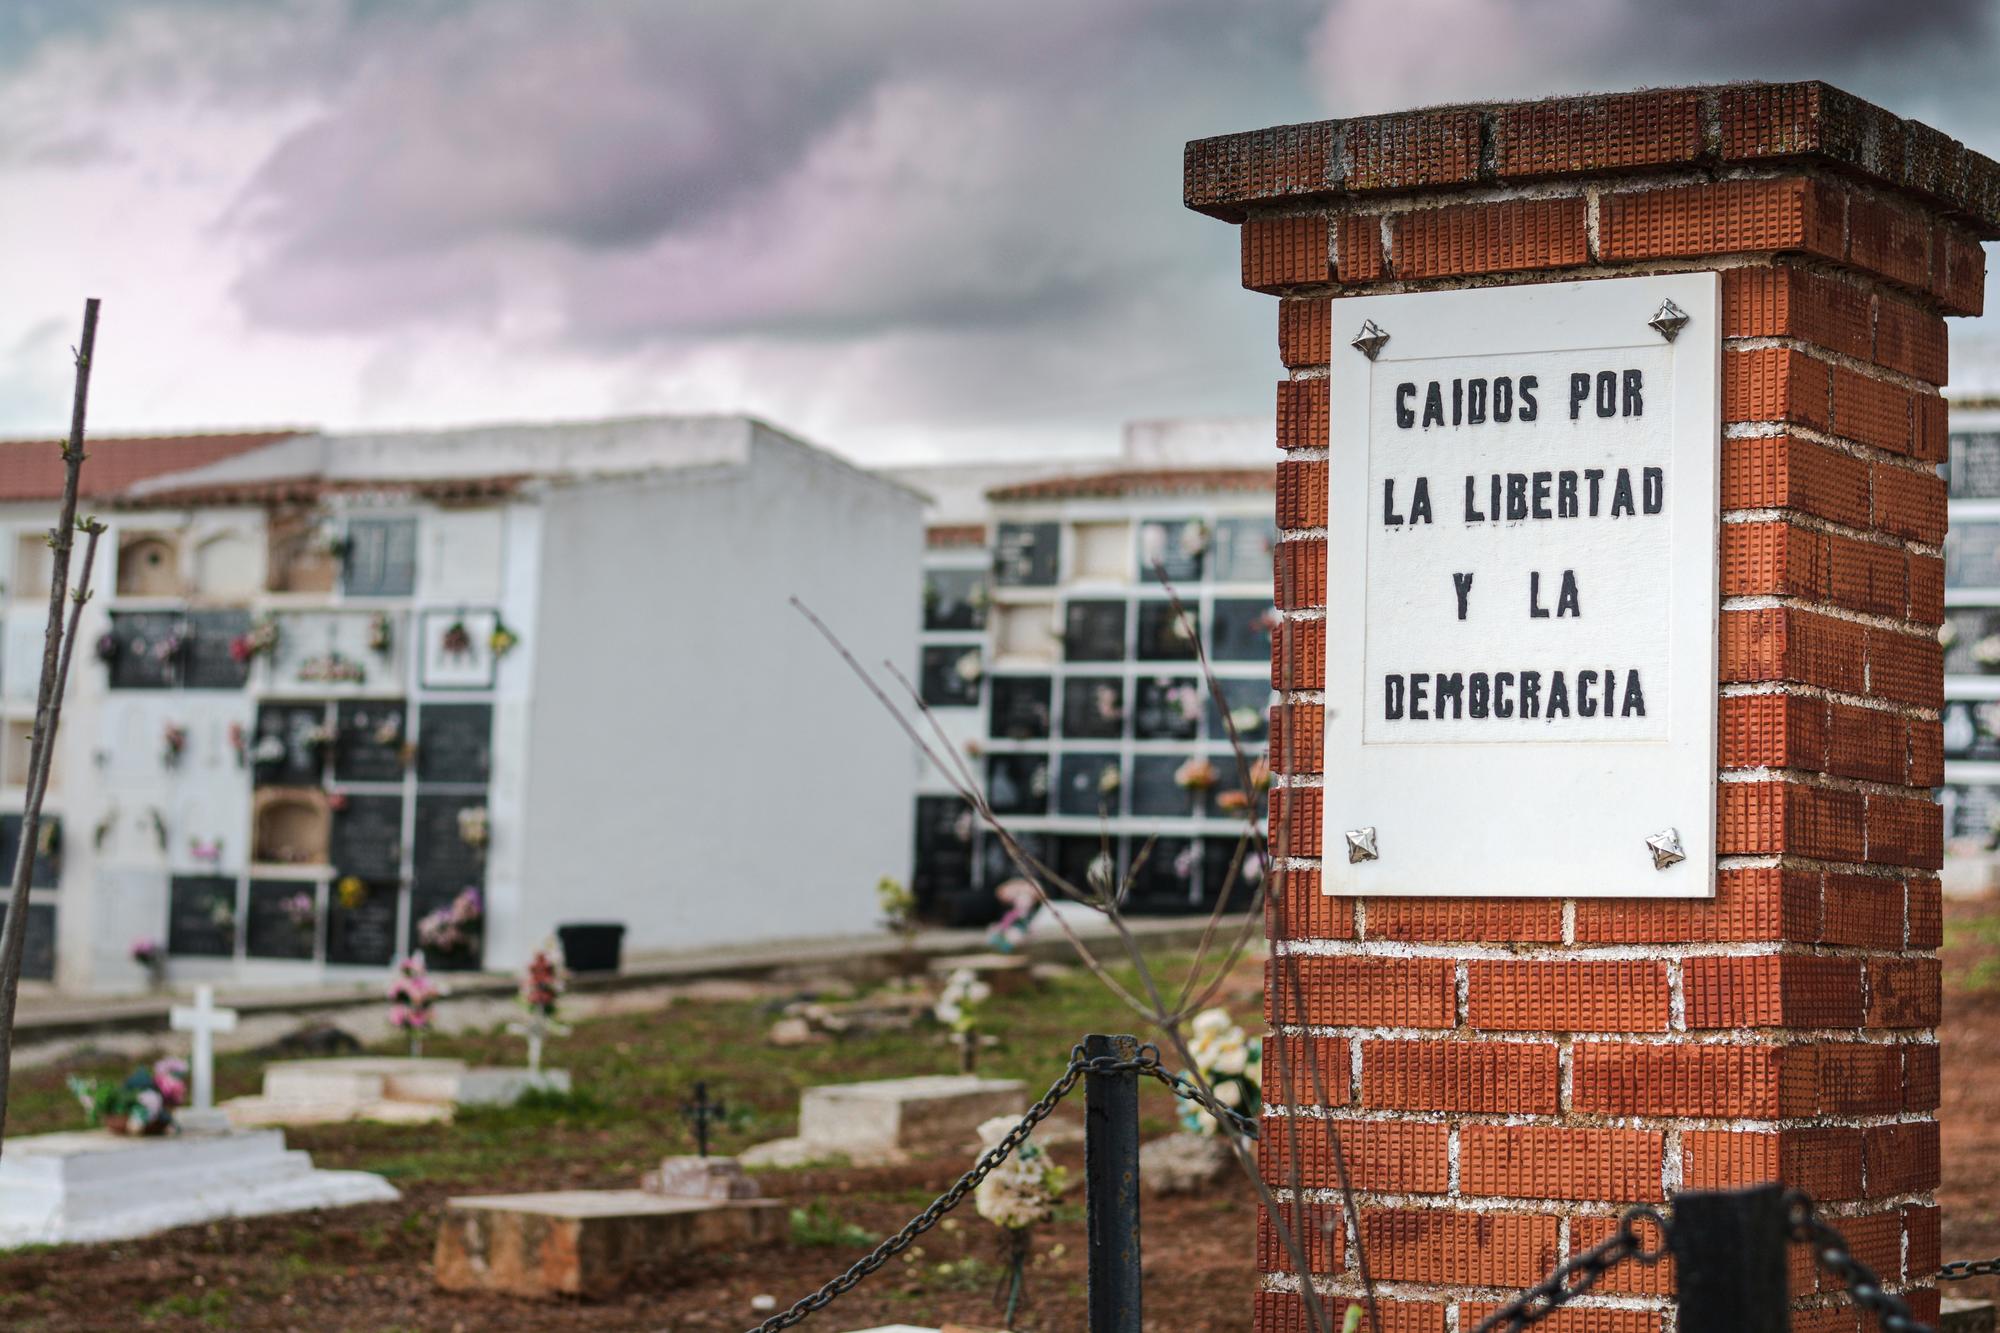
389,1088
884,1120
95,1186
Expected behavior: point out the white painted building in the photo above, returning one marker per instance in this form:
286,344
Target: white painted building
553,664
1971,637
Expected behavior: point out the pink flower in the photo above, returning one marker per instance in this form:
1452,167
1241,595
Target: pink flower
170,1077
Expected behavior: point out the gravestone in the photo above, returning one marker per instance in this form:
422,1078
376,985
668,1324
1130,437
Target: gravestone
1239,630
363,934
1167,634
271,929
955,599
1094,631
209,664
48,865
1020,707
1018,784
886,1120
1091,783
282,750
1093,707
942,873
444,862
367,837
332,652
202,1020
455,744
392,1089
368,740
948,675
1166,708
1154,789
1242,551
201,916
139,659
1177,546
38,945
1025,554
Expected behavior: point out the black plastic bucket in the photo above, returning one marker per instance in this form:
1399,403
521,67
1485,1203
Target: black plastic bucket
592,947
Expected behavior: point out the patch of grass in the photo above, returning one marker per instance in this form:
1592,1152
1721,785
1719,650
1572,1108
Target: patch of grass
819,1225
210,1306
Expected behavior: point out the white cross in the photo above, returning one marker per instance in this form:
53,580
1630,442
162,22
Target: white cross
536,1027
204,1020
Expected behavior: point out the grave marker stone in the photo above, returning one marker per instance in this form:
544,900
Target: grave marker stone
363,933
455,743
201,916
209,664
367,837
368,740
271,928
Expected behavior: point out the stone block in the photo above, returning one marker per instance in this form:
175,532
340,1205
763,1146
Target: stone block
699,1178
586,1242
930,1111
1955,1316
1006,973
389,1088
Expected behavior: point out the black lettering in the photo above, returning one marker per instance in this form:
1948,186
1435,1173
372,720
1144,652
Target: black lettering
1458,402
1502,705
1420,501
1566,604
1610,691
1392,698
1607,393
1463,583
1475,402
1503,398
1586,706
1593,475
1389,515
1531,694
1579,393
1541,505
1558,695
1535,609
1450,689
1433,406
1478,694
1517,496
1652,490
1566,494
1621,498
1635,401
1529,383
1419,682
1495,508
1635,697
1406,416
1472,514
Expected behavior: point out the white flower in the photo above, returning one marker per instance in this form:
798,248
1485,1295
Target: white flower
1230,1094
1230,1057
1948,633
967,668
1987,651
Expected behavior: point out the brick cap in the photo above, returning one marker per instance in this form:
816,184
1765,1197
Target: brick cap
1463,147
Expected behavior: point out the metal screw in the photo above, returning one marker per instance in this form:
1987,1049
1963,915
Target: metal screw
1361,845
1370,340
1669,320
1666,848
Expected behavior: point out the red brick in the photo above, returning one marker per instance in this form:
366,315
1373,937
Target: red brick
1920,1078
1908,668
1390,1156
1522,995
1628,1279
1791,644
1308,1071
1905,831
1285,1312
1911,338
1888,239
1908,503
1776,384
1826,1163
1927,590
1764,903
1752,1082
1961,286
1854,1079
1722,217
1303,408
1295,821
1921,1227
1931,427
1862,911
1542,1162
1350,991
1789,818
1926,912
1508,236
1573,1319
1463,1249
1485,1076
1301,493
1863,576
1902,1158
1904,992
1298,655
1872,411
1286,252
1868,744
1486,920
1298,738
1785,472
1360,257
1781,301
1315,1228
1298,574
1773,559
1773,990
1305,330
1411,150
1581,135
1295,909
1772,731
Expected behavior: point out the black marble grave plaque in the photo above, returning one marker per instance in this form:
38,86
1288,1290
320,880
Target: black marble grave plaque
1020,707
1164,635
362,935
381,557
282,919
201,916
1242,551
209,664
941,877
455,743
1164,878
950,675
955,599
1240,631
367,837
282,750
1217,856
1087,862
1249,703
1974,472
48,862
1090,785
1018,784
143,651
1175,545
1167,708
368,740
1093,707
996,865
38,949
1154,791
1024,554
442,860
1094,632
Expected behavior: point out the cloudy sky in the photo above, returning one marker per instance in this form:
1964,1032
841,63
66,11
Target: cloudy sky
906,228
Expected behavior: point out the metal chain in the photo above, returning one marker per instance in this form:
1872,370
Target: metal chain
1579,1274
1958,1270
1831,1251
1184,1087
1146,1062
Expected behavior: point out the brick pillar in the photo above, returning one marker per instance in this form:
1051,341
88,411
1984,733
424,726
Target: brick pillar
1507,1073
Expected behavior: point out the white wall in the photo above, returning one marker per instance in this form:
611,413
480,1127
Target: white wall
701,764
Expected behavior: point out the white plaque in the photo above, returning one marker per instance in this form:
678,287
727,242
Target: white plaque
1521,592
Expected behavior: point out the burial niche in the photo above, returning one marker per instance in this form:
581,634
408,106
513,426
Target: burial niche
227,565
1094,631
149,565
283,919
292,826
201,916
301,556
1020,708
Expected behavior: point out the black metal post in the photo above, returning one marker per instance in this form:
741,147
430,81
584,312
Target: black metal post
1111,1186
1730,1261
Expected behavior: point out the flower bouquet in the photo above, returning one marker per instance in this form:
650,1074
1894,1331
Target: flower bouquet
1231,1064
453,928
142,1104
412,996
1016,1195
957,1008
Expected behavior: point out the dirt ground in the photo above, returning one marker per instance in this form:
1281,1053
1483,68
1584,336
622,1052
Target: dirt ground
368,1268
